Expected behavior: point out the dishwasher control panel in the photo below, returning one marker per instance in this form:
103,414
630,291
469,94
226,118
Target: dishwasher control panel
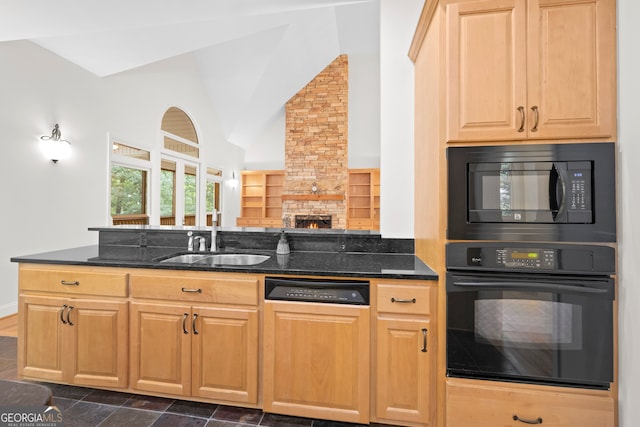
354,292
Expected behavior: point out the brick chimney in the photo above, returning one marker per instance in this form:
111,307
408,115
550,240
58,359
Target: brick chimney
316,142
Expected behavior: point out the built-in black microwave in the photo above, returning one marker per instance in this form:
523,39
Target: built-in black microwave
542,192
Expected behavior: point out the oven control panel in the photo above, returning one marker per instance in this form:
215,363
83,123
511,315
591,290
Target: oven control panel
526,258
531,257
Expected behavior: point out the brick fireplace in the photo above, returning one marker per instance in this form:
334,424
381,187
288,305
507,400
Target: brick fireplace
316,141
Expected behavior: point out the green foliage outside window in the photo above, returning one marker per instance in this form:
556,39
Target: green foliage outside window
167,184
189,194
127,191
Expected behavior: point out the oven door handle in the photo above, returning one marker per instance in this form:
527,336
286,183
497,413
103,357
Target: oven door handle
530,285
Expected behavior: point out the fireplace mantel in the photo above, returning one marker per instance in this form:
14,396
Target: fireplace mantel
313,197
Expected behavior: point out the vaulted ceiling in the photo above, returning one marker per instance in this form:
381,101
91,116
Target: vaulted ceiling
253,54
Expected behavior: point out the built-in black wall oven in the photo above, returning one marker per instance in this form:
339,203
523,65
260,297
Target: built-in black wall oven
531,312
542,192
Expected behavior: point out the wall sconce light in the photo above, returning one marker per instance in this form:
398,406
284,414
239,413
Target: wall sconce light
53,147
233,182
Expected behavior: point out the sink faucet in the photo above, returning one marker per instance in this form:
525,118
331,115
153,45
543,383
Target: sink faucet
214,231
201,243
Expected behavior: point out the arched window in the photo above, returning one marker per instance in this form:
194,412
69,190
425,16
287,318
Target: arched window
179,170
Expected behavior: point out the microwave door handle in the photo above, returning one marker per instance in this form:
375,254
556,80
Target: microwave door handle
558,179
530,285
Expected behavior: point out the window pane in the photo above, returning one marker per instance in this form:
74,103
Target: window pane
128,188
181,147
125,150
189,194
167,191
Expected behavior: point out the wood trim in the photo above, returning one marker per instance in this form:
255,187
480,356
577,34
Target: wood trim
428,10
313,197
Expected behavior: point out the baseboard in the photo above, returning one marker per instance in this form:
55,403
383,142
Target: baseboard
8,309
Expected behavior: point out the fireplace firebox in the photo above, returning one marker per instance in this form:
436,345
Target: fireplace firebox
313,221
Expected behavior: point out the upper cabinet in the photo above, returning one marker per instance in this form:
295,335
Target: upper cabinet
530,69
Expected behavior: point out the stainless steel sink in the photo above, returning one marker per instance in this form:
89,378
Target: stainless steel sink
217,259
186,259
234,259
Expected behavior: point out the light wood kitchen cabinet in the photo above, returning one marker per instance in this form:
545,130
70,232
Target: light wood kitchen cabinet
72,325
405,353
195,334
530,69
363,199
316,360
483,404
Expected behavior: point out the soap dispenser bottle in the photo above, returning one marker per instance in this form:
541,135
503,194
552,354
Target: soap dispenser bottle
283,245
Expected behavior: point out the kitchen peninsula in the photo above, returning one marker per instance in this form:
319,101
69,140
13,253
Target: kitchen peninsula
123,320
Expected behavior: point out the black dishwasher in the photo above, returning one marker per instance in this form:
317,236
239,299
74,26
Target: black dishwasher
335,291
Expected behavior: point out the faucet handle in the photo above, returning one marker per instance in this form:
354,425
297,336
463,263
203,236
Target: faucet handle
190,244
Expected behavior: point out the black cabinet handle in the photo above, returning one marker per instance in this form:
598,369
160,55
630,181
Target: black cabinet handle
521,110
193,324
404,301
536,119
199,291
184,323
523,420
68,314
424,340
68,283
64,307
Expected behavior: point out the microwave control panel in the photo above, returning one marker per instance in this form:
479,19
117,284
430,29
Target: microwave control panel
579,188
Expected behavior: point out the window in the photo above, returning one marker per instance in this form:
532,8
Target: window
129,185
179,172
167,186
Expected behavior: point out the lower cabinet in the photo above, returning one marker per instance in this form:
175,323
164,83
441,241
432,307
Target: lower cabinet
200,341
75,341
316,360
72,326
404,390
195,351
486,404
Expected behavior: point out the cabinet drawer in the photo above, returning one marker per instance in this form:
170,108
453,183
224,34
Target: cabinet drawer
73,280
490,406
404,299
194,287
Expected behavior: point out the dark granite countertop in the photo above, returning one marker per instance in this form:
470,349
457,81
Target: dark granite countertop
347,264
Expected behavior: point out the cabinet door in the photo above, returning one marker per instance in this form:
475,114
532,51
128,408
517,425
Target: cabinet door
225,354
161,348
41,349
486,70
571,68
316,361
98,339
403,370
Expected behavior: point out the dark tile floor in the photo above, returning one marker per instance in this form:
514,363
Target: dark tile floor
84,407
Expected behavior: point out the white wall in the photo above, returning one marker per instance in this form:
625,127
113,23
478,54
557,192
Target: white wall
628,212
48,206
398,20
